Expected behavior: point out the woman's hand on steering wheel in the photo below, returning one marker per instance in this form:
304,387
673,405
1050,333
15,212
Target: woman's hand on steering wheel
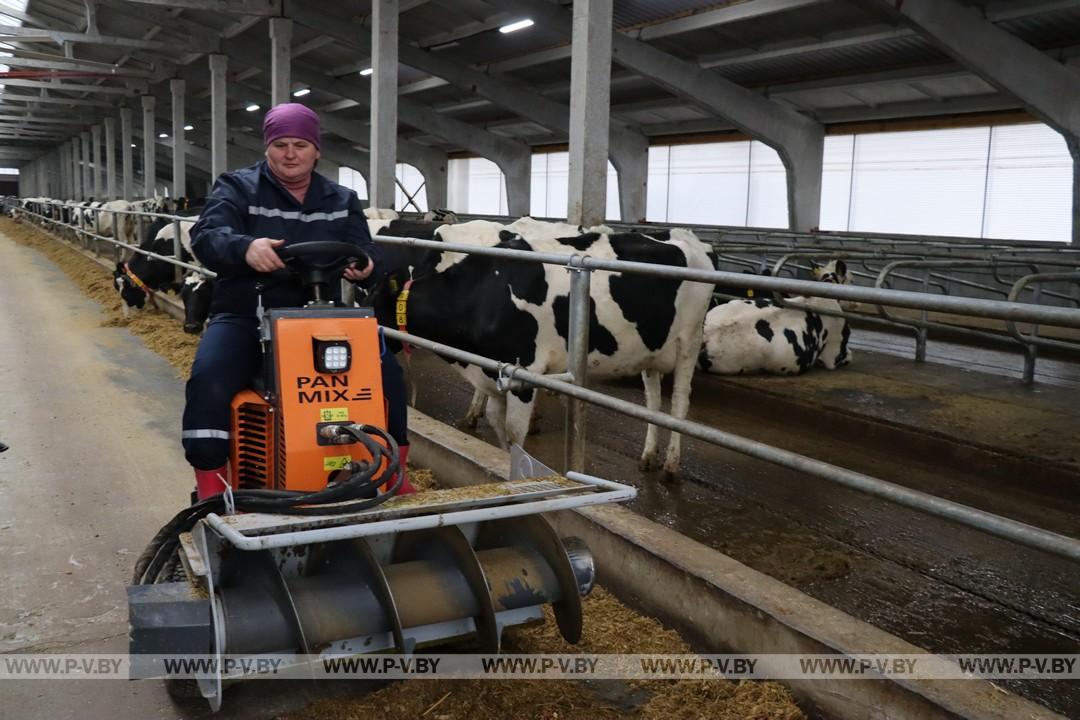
261,255
354,274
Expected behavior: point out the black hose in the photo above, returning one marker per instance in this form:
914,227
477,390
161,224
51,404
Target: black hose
155,560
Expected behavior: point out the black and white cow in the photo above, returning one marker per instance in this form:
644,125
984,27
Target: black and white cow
196,294
760,335
517,312
142,275
752,336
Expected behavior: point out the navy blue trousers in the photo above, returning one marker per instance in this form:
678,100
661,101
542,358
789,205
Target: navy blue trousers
228,358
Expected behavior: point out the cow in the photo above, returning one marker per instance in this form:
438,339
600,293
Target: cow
196,293
441,215
834,271
380,214
517,312
759,336
138,278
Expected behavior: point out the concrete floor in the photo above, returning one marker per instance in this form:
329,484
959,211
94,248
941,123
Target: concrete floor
94,469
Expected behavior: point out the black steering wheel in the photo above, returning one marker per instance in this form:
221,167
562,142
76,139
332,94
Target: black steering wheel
321,261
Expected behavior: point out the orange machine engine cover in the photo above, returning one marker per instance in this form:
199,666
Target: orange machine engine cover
306,399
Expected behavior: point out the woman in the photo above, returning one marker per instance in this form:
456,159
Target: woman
249,214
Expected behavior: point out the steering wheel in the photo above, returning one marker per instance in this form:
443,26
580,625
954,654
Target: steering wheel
320,261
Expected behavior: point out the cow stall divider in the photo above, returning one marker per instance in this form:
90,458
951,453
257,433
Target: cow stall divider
580,266
573,383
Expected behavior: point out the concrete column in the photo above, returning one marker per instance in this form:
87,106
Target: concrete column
125,153
179,144
87,182
65,164
110,157
384,91
95,155
218,122
432,165
76,170
590,92
630,156
149,146
280,59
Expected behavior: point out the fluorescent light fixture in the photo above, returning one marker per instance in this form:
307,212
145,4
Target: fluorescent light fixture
132,144
252,107
366,71
189,127
163,135
301,92
515,26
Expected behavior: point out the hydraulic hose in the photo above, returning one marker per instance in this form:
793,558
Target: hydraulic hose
358,492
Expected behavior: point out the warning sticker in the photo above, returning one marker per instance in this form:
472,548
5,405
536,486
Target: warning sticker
333,414
335,463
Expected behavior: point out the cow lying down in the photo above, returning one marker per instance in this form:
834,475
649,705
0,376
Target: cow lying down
751,336
516,312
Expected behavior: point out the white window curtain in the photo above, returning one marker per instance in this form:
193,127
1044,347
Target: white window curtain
1029,189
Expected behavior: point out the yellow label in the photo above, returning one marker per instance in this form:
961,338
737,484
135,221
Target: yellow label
335,463
333,414
749,292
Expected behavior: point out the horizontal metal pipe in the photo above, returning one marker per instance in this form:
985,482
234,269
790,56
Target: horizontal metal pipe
998,309
613,492
1012,530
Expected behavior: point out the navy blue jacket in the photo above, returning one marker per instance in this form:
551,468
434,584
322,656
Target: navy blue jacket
250,203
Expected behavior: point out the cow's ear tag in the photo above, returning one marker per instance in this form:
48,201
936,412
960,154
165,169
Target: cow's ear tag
749,292
393,285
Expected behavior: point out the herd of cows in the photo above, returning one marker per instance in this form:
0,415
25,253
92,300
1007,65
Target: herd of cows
517,312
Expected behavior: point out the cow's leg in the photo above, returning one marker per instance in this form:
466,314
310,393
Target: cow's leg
650,455
475,411
519,410
495,412
680,397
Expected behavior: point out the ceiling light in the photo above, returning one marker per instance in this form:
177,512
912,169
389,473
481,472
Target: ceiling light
189,127
132,144
515,26
252,107
163,135
366,71
301,92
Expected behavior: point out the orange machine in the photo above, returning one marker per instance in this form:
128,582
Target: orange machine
323,370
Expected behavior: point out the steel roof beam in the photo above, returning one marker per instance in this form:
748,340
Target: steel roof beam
67,87
264,8
75,66
12,97
17,33
736,12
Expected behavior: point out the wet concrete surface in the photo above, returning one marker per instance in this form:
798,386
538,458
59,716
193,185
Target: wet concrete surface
93,470
939,585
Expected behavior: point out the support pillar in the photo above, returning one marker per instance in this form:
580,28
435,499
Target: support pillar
110,157
87,183
125,154
76,170
179,144
95,144
590,93
432,165
149,146
630,156
218,123
384,105
280,59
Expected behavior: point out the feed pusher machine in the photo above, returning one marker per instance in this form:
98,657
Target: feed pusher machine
310,553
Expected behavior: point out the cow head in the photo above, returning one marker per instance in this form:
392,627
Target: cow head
196,293
834,271
131,295
441,215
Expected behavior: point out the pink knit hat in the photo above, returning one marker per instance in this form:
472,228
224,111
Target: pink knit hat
291,120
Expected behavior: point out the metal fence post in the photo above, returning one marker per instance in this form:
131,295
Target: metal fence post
178,272
1031,349
577,362
922,332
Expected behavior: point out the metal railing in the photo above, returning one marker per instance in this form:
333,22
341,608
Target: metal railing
574,386
573,383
